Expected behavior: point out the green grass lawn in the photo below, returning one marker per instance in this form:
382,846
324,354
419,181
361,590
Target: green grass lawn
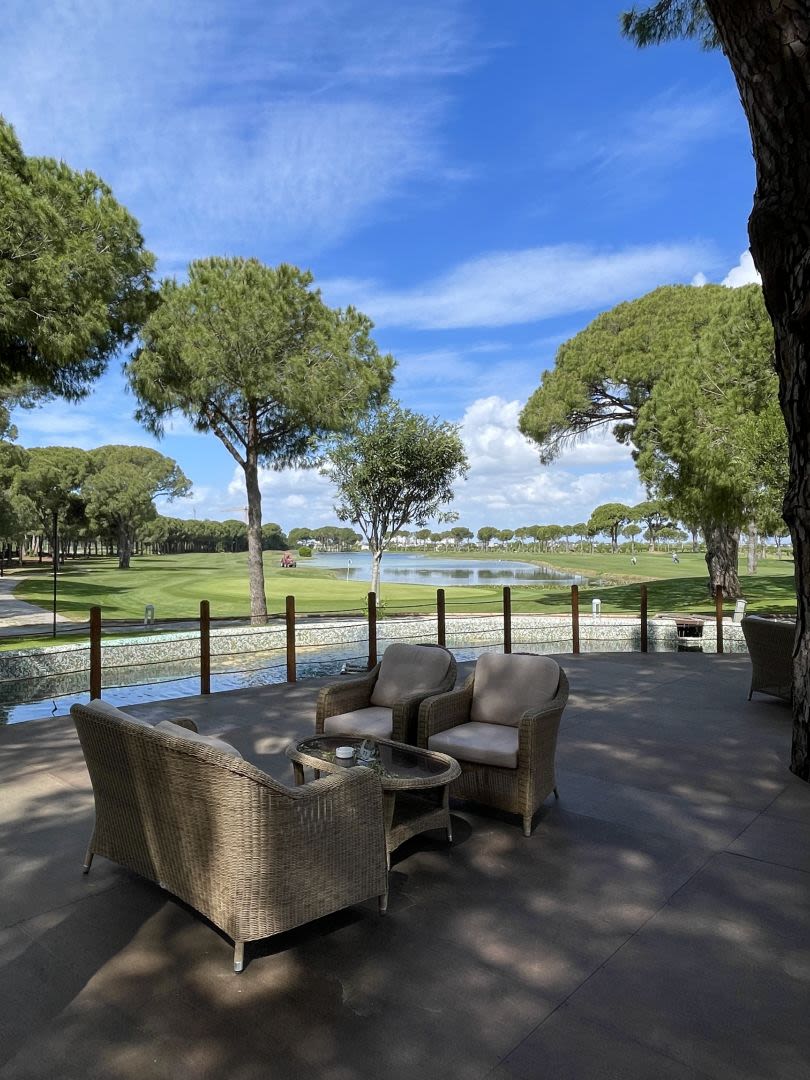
176,584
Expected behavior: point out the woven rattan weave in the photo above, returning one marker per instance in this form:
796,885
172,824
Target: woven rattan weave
253,856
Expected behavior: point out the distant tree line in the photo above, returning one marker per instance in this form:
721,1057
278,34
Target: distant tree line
329,537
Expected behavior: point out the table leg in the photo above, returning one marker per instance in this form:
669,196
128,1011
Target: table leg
389,801
298,770
446,806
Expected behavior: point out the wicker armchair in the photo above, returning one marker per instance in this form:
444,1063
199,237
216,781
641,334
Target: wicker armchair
501,727
385,703
770,646
252,855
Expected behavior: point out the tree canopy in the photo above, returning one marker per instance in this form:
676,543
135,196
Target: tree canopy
120,491
670,19
252,354
685,377
50,481
767,45
397,468
656,516
609,519
75,278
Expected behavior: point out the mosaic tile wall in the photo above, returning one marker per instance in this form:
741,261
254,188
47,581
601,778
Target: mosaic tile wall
548,633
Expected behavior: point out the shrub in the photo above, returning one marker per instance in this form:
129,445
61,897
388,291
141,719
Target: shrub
305,553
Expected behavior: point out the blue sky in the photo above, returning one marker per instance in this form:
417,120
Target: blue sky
480,179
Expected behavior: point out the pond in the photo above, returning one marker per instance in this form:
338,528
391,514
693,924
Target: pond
52,695
443,571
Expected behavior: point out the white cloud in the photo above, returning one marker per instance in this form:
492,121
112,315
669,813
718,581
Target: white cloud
291,497
506,485
84,424
509,287
195,504
744,273
649,139
225,128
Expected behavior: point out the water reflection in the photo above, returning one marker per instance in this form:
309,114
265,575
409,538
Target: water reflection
444,570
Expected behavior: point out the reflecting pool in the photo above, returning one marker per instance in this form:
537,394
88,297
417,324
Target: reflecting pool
443,571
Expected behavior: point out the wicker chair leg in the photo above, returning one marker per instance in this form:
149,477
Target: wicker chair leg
88,861
238,956
527,824
382,900
556,794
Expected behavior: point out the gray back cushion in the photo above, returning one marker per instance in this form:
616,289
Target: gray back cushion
409,669
506,686
103,708
195,737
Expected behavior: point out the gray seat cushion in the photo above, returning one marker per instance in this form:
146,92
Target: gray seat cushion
103,708
377,721
507,685
195,737
409,669
486,744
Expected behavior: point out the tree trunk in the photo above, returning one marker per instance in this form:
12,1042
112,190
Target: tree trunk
722,553
767,44
124,547
258,599
752,548
376,560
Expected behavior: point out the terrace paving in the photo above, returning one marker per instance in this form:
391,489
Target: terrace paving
656,924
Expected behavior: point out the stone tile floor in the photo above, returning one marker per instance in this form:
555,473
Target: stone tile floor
656,924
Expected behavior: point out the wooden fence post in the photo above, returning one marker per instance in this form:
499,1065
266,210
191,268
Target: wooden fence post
718,615
205,647
441,625
292,673
644,618
95,652
372,630
575,619
507,619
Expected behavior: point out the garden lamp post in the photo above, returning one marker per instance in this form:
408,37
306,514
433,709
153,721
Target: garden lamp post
55,563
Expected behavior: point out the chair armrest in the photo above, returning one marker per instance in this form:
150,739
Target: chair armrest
537,728
345,696
335,822
444,711
405,716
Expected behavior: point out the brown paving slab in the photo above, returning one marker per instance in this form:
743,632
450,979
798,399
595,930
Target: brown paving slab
773,840
45,825
33,989
720,978
92,1043
330,997
690,771
568,1046
89,937
48,745
794,802
710,824
700,720
38,798
145,985
571,867
40,879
